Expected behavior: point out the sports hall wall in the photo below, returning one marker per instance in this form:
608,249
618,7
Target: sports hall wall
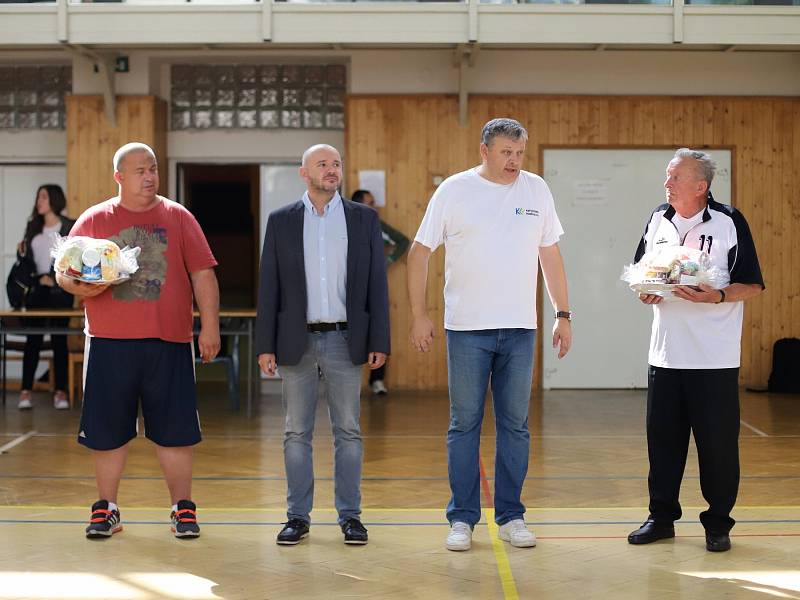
403,117
92,140
416,138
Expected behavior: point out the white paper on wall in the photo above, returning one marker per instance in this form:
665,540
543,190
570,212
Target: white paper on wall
375,183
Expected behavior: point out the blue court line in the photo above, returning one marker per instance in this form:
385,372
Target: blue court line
279,478
216,478
381,524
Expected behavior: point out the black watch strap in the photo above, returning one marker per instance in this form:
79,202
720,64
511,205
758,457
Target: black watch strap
564,314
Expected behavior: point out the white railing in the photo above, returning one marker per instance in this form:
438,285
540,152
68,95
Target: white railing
173,23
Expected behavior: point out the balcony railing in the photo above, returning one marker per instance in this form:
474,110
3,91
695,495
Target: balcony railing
307,23
239,2
563,2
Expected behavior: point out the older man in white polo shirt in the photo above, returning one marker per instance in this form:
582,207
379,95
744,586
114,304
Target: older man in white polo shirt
693,378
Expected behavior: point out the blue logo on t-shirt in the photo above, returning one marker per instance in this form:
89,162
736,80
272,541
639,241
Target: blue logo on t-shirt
531,212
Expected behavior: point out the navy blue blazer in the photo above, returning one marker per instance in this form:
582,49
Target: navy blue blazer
281,327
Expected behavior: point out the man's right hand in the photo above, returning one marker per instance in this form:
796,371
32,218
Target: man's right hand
421,333
80,288
650,298
268,364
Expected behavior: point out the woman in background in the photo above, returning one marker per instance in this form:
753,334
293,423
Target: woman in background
44,225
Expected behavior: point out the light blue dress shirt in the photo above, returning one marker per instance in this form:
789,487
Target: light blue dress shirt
325,255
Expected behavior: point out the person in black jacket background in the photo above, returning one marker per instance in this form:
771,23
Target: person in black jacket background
395,245
44,225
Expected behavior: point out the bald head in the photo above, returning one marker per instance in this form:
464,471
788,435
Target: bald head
322,170
317,149
127,149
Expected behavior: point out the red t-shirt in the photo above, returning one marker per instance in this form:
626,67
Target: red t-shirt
157,300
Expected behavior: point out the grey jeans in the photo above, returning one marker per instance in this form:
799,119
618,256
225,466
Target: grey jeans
326,353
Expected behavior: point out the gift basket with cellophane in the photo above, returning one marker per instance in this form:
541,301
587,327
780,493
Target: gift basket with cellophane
664,269
94,260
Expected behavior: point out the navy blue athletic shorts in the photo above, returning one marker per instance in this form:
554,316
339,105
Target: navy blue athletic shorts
121,373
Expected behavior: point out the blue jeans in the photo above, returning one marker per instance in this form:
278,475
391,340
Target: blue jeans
327,352
474,358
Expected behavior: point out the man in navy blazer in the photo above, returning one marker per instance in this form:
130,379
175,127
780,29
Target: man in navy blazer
323,307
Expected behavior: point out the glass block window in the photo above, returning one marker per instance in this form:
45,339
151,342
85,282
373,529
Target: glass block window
258,96
32,97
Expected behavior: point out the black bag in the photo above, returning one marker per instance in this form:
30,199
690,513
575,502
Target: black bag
785,376
21,280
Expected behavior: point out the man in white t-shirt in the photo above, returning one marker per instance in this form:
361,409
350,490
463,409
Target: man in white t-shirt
693,378
497,223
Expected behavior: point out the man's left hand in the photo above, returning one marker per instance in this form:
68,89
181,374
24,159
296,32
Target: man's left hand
705,294
208,342
376,360
562,336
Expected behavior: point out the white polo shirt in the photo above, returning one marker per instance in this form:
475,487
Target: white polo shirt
492,234
689,335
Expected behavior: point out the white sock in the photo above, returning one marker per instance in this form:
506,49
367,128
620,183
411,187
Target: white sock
112,506
174,508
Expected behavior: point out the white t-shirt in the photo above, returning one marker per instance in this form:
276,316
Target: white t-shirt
41,245
492,234
684,225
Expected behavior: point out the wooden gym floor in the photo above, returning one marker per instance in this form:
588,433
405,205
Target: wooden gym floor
586,490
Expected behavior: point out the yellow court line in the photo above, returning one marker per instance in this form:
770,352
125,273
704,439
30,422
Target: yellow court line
128,508
500,556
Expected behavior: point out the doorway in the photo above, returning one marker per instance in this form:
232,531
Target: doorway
225,201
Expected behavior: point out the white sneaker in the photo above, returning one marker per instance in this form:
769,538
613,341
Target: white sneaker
379,388
25,400
60,401
517,534
460,537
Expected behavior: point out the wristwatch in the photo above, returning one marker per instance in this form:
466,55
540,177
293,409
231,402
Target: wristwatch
564,314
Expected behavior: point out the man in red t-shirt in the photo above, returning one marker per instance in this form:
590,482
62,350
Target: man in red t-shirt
139,338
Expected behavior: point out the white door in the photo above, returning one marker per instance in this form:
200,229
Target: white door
18,185
603,199
280,185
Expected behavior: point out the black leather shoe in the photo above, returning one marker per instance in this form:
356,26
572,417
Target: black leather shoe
293,531
717,542
354,532
650,531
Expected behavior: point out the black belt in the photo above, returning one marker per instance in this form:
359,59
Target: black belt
320,327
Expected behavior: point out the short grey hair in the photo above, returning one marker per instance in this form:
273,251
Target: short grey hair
706,166
503,127
130,148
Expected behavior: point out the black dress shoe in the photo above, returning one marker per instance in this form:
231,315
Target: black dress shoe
717,542
293,531
650,531
354,532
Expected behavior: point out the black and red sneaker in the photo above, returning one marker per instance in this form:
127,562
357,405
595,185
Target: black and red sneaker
104,522
184,520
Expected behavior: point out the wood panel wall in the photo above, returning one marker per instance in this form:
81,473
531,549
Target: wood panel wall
92,141
416,138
